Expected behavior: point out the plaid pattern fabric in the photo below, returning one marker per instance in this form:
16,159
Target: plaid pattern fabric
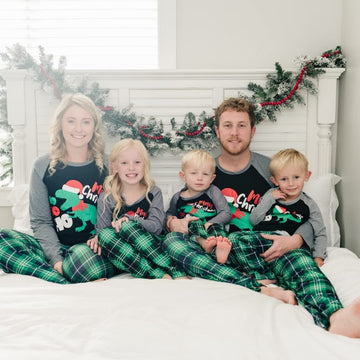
247,245
22,254
196,229
192,258
82,265
137,251
296,271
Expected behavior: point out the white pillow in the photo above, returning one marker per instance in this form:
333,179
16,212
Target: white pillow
322,190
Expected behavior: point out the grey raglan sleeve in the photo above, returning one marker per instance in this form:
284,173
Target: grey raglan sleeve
223,213
154,223
172,211
320,237
40,215
259,212
104,212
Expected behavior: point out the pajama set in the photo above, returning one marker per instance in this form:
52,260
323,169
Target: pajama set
295,270
62,217
209,206
283,218
137,247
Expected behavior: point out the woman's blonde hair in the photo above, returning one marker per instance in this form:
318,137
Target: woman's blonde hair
113,185
57,142
199,158
288,157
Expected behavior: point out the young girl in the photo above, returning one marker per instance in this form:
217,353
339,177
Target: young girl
131,216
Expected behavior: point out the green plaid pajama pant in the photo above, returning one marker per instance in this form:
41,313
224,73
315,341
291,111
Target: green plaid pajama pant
22,254
197,229
296,271
138,252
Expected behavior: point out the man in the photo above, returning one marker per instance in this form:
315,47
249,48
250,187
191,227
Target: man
243,177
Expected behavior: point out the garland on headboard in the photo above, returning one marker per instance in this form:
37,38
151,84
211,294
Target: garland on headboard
279,93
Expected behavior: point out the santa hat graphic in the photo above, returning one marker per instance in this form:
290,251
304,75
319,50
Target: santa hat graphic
74,186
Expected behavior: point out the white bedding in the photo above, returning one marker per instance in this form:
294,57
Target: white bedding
127,318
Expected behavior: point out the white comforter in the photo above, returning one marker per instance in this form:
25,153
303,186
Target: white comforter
127,318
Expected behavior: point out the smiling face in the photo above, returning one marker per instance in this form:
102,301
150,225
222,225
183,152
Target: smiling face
130,166
291,179
77,126
235,132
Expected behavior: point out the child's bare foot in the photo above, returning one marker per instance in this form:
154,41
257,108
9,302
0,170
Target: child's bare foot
266,281
102,279
182,278
208,244
223,247
346,321
287,296
167,276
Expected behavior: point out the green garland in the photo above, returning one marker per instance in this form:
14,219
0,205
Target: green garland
279,93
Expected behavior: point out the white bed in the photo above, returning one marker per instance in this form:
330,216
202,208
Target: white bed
127,318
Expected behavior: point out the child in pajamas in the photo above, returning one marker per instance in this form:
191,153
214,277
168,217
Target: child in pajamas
131,216
203,204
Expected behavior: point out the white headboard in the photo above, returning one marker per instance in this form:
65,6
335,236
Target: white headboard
311,128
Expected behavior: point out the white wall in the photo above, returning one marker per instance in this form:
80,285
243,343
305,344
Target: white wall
348,162
254,34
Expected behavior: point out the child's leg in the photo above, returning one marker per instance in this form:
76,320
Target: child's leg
124,257
22,254
297,271
246,247
82,265
149,246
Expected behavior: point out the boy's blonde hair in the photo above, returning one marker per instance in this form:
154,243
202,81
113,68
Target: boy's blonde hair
288,157
57,143
113,185
198,158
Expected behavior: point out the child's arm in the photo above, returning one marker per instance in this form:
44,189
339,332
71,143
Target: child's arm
320,237
104,213
155,221
259,212
223,214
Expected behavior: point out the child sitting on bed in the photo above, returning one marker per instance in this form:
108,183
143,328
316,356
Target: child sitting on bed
131,216
203,204
282,210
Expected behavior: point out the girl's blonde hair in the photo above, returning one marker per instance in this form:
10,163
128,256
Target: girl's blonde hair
199,158
113,185
57,142
288,157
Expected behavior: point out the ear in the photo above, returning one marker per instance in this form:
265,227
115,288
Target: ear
307,177
182,176
217,132
253,131
274,181
212,178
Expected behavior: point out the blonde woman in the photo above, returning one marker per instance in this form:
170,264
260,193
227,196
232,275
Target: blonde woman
131,216
64,188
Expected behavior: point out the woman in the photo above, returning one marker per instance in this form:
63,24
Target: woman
64,189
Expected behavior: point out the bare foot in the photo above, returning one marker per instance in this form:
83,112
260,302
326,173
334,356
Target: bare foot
266,281
346,321
102,279
223,247
208,244
182,278
167,276
287,296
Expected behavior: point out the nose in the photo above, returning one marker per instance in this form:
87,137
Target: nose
78,126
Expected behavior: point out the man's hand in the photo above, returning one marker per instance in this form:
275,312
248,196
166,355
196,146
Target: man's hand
281,245
179,225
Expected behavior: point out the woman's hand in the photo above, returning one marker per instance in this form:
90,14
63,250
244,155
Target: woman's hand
93,244
58,267
117,224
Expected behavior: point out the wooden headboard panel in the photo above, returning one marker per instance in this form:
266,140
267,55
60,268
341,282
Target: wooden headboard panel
311,128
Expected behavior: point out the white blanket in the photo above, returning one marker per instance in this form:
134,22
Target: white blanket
127,318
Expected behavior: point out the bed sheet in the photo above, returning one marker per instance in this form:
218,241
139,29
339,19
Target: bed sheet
127,318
